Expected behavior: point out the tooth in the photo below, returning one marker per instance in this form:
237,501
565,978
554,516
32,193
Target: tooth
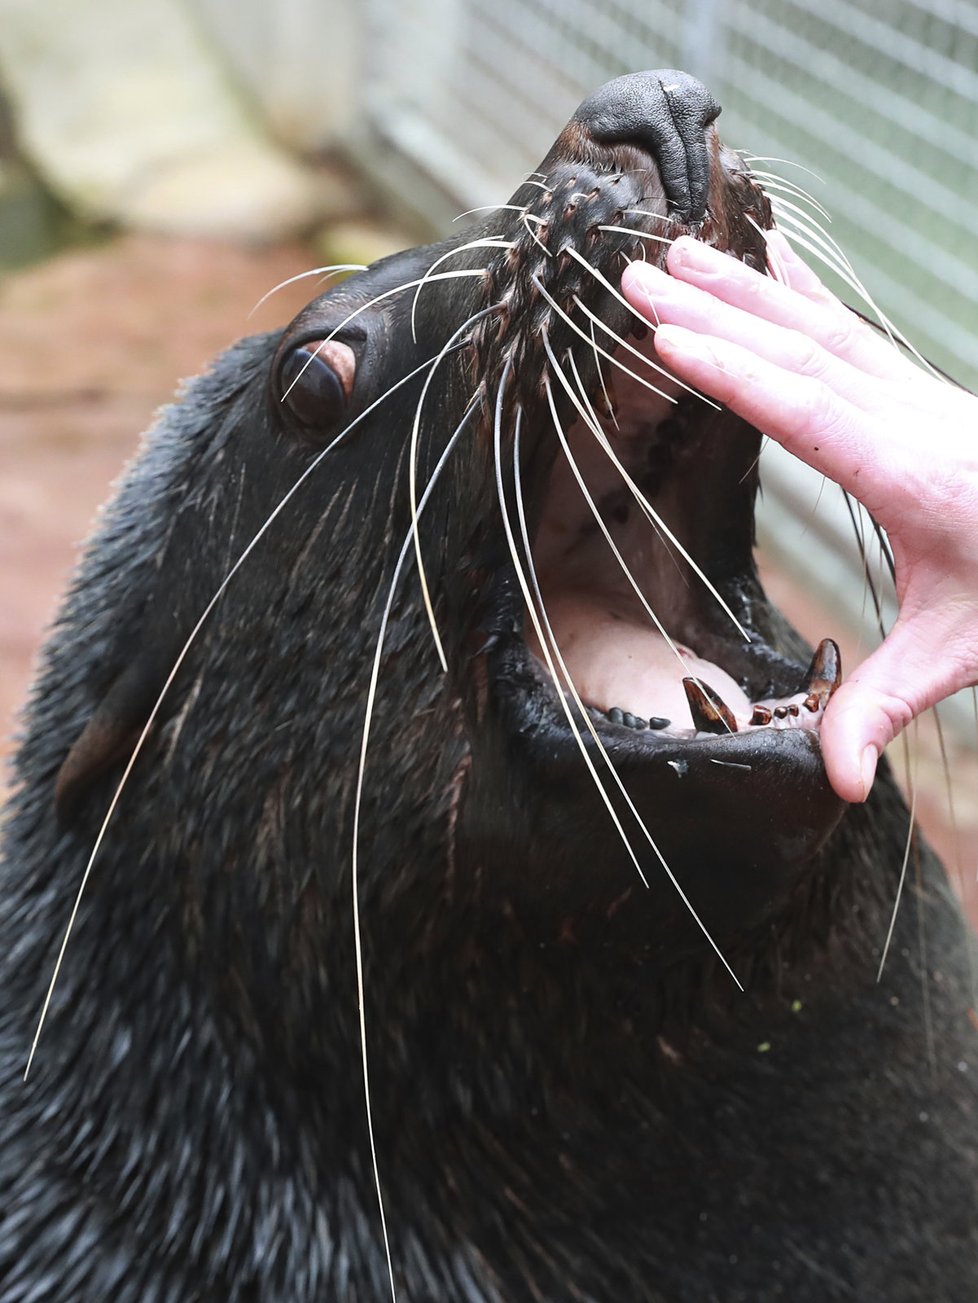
633,721
792,708
825,672
657,722
761,715
710,712
812,702
616,715
780,712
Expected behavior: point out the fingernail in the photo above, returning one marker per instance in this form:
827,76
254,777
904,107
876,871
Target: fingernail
867,769
694,253
688,343
646,276
777,242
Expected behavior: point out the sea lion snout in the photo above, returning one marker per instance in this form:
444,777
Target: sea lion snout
666,113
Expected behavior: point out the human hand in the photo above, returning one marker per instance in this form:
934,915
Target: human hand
796,363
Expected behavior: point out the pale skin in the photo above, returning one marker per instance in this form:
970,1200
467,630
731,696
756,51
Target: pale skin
796,363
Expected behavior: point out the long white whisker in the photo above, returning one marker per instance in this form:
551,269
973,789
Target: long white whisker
788,162
642,235
449,346
644,212
821,245
551,641
775,262
151,720
355,866
912,789
490,208
534,617
606,284
527,219
802,226
796,224
489,242
592,420
609,405
598,520
771,181
604,352
398,289
804,217
649,362
325,272
646,505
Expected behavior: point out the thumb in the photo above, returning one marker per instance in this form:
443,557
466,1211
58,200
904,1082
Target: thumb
862,718
902,678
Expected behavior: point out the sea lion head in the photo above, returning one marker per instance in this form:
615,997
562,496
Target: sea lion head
620,716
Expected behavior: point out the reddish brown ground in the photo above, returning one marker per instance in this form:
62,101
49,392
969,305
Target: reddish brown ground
92,342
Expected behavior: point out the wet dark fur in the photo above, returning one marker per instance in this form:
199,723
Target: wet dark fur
572,1100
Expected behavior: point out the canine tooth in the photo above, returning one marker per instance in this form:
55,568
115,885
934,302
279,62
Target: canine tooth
657,721
811,702
825,672
710,712
761,715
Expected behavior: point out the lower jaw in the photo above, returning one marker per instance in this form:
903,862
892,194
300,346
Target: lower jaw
638,679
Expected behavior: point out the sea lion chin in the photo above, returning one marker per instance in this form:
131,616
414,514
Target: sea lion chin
612,938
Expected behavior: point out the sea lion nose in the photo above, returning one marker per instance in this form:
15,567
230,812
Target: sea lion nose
666,113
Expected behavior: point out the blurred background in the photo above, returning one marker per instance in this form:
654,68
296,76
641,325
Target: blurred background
164,163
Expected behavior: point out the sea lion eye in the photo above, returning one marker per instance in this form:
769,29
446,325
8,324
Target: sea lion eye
316,380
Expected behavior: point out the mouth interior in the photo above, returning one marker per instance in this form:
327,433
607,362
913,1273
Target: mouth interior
627,664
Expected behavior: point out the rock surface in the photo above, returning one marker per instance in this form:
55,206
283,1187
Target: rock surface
126,113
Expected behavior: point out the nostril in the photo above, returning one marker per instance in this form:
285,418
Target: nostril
666,113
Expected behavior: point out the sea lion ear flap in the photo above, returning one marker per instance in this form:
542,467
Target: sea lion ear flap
109,737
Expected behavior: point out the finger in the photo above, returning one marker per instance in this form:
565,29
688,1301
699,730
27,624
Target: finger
812,309
912,671
805,415
798,276
864,720
687,305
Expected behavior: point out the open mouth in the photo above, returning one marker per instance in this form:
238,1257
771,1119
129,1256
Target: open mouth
636,674
646,642
649,601
645,621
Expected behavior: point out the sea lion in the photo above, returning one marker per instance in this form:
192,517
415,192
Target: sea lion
552,900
